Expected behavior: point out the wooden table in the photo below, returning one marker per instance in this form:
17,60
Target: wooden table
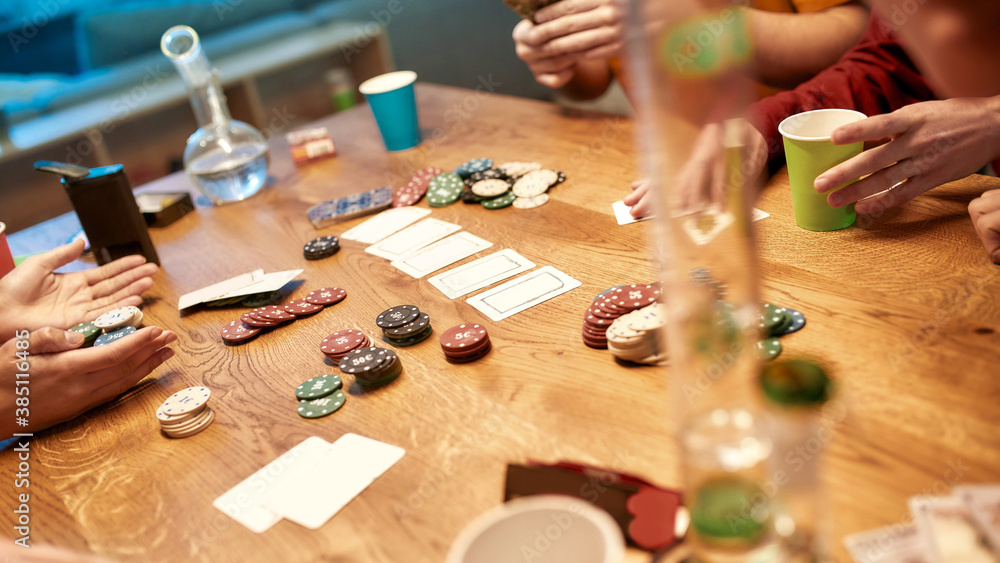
903,307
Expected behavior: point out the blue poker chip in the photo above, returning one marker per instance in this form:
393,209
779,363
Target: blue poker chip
470,167
109,337
798,321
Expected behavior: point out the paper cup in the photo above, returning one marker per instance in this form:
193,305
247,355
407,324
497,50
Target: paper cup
6,258
542,529
809,153
392,100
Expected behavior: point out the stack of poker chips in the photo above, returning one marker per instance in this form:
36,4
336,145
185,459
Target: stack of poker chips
185,413
322,247
253,322
416,188
465,343
340,343
115,324
638,336
371,366
404,325
310,144
320,396
89,332
774,322
611,304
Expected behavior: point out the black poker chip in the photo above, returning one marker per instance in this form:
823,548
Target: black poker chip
397,316
413,327
321,247
468,196
363,360
491,174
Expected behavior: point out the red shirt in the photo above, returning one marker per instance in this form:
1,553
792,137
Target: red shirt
874,77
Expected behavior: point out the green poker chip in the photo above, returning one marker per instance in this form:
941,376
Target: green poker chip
500,202
323,406
261,299
89,332
796,383
319,386
444,189
769,349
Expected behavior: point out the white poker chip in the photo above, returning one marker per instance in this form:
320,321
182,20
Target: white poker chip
531,202
116,318
186,400
490,188
648,318
518,169
535,183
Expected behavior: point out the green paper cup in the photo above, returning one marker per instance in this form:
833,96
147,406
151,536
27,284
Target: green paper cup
394,106
809,153
6,260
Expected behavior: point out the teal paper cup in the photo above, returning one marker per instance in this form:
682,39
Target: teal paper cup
394,106
809,153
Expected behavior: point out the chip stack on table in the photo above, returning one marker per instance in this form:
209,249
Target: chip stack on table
320,396
404,325
637,336
253,322
371,366
612,304
338,344
186,413
465,343
416,188
322,247
531,189
775,322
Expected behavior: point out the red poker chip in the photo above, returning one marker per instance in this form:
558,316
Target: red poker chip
602,314
273,313
428,173
634,296
326,296
301,307
595,343
470,351
470,358
609,307
252,320
597,332
238,331
342,342
463,336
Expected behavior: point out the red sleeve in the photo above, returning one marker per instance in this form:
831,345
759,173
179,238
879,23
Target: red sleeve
874,77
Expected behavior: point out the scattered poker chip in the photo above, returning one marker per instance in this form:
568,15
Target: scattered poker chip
535,183
769,348
116,318
109,337
250,319
531,202
469,197
363,359
261,299
635,296
301,307
798,321
771,317
273,313
319,386
323,406
444,189
491,174
397,316
322,247
342,342
518,169
89,331
186,400
422,321
490,188
560,178
428,173
326,296
238,332
470,167
465,342
500,202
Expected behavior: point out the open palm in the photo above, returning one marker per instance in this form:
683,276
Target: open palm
33,296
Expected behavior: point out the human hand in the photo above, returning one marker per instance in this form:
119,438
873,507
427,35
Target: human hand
930,143
568,32
985,213
32,296
65,382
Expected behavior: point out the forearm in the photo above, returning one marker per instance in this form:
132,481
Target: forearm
591,79
791,48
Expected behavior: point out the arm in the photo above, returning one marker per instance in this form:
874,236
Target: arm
793,47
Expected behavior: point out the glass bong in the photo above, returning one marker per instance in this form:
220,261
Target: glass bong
225,158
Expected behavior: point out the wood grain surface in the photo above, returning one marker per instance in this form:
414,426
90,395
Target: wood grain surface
903,307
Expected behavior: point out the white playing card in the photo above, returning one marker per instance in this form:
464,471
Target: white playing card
983,504
350,465
623,217
892,544
944,524
244,502
435,256
481,273
385,224
523,292
412,238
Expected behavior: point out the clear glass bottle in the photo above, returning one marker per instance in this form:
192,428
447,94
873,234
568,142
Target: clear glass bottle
226,159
